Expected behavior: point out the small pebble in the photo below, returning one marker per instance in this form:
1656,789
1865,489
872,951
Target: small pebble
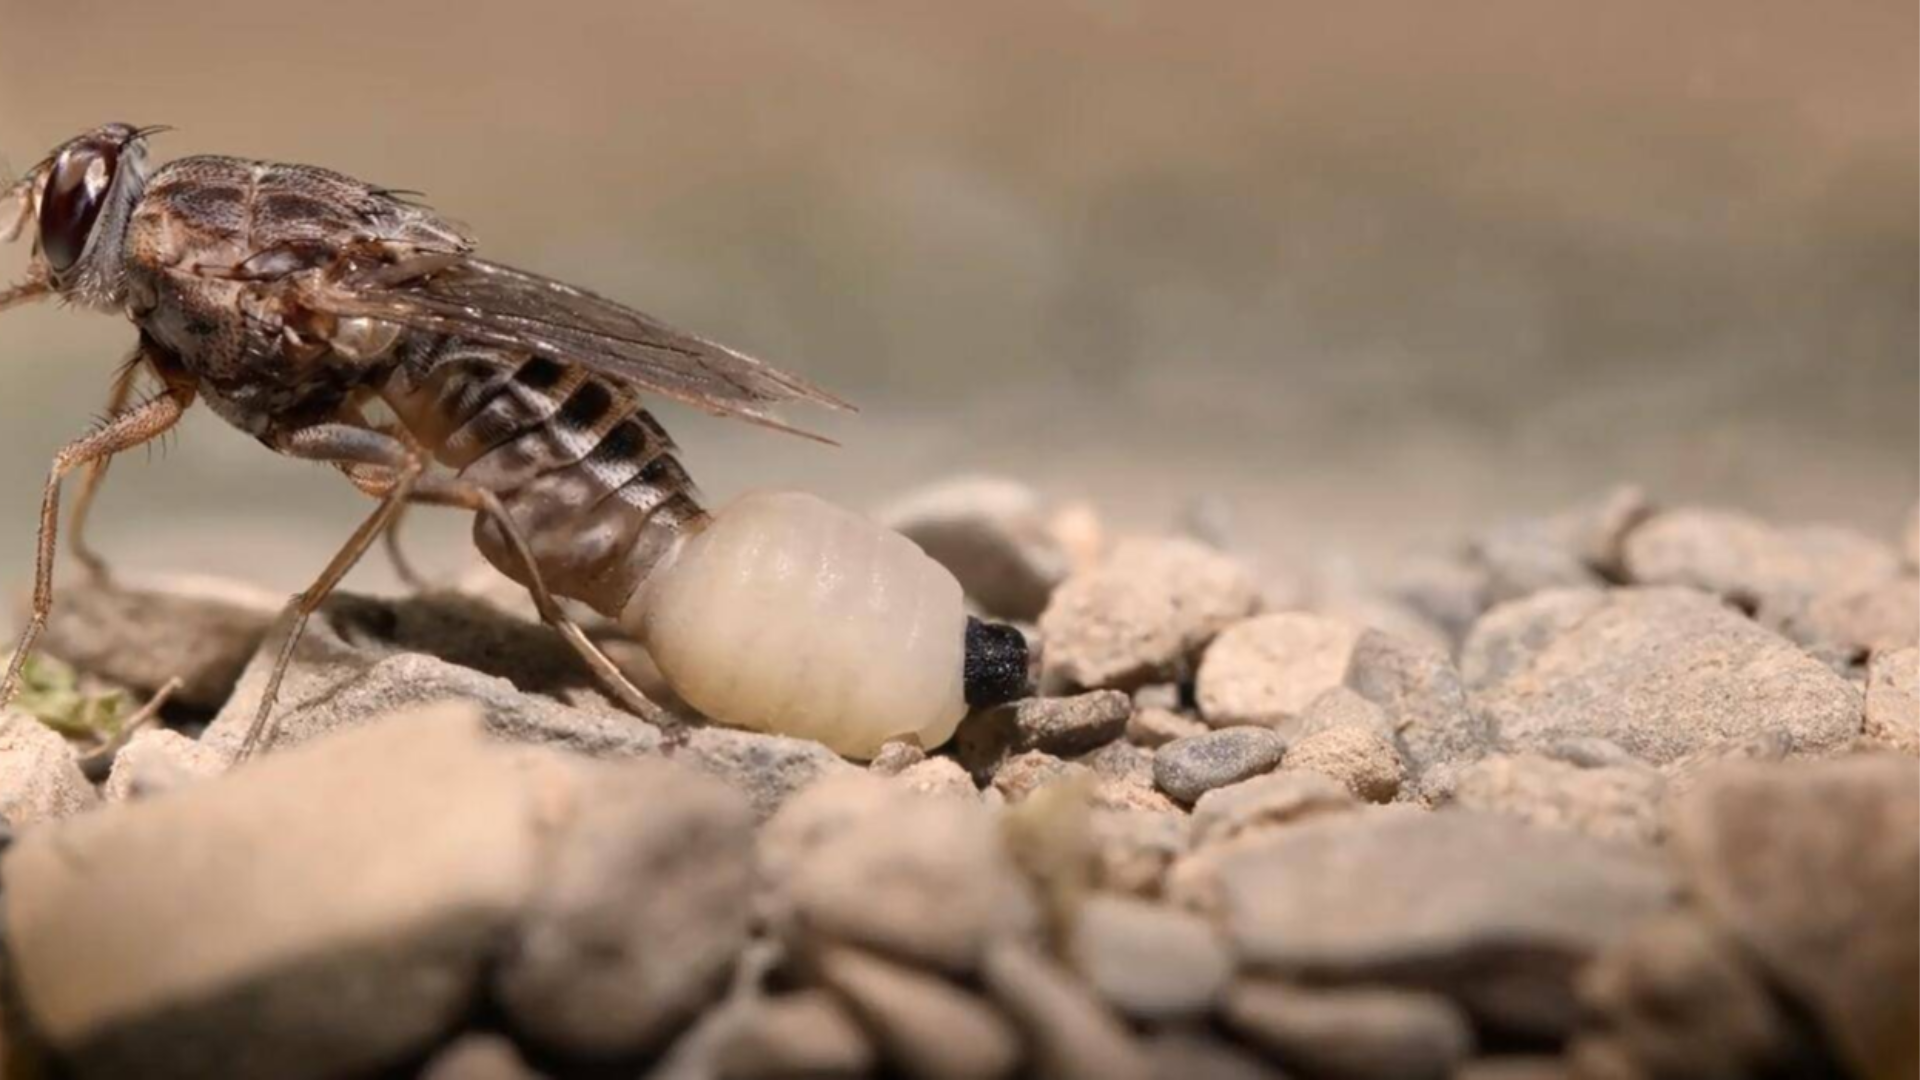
895,758
1265,802
1152,962
1142,613
1153,728
1023,774
1189,768
992,535
1267,670
1362,761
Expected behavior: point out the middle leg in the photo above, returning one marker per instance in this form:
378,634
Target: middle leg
451,491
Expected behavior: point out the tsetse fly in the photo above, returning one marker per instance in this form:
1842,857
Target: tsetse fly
292,299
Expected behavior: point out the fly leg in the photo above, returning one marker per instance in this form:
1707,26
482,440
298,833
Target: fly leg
122,432
376,483
348,447
384,466
465,495
460,494
77,545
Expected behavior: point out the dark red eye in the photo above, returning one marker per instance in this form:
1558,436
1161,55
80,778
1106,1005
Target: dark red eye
76,189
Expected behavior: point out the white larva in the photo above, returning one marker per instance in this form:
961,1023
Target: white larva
790,615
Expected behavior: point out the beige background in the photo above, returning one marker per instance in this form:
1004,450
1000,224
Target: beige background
1363,277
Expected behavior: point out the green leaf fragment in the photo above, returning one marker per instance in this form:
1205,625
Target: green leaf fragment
51,693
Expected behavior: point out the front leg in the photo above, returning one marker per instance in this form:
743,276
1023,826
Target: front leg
77,545
120,433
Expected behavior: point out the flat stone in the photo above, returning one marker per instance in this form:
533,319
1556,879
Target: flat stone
479,1057
896,757
1893,702
1524,557
146,631
1743,558
1676,999
40,780
1387,614
939,776
1023,774
1266,802
1188,1054
768,769
1073,1036
1448,588
1189,768
158,760
1503,644
1267,670
1421,692
1142,614
1814,868
1857,621
1153,727
1660,672
1597,530
1062,726
1765,748
1151,962
1123,778
861,861
1606,803
271,939
1133,849
1590,752
1517,1067
993,535
1352,1034
1343,707
643,903
805,1034
1362,761
361,659
1495,914
926,1027
1071,725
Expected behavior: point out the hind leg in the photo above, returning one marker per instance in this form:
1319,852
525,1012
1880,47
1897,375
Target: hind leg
384,466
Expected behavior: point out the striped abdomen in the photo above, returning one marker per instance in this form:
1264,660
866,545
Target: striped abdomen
589,476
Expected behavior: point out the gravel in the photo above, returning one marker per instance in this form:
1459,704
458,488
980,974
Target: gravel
1749,838
1361,760
1661,672
1142,614
1267,670
1352,1034
1188,768
993,534
1610,793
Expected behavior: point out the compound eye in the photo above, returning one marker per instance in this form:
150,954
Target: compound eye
76,189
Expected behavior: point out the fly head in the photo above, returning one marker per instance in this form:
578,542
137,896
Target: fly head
75,205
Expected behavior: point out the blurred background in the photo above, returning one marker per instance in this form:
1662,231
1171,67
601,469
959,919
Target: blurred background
1361,275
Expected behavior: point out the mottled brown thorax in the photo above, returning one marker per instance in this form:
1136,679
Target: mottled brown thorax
202,223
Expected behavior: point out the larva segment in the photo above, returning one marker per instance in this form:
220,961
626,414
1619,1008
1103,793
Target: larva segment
787,614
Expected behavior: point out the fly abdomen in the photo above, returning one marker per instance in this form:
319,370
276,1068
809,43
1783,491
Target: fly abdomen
588,476
782,613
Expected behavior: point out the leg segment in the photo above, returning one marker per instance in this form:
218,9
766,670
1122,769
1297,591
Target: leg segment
77,545
455,492
123,432
348,447
388,469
